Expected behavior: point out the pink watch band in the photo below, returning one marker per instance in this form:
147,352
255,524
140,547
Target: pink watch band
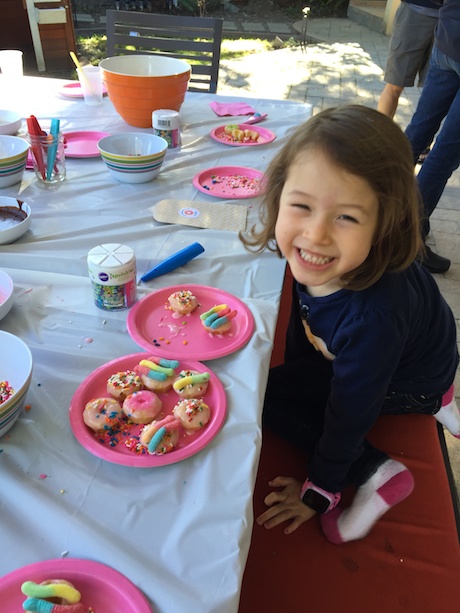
332,498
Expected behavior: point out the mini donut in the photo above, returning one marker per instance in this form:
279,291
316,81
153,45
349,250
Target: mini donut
229,128
218,319
157,374
251,135
160,437
191,384
192,413
121,384
183,302
102,413
142,407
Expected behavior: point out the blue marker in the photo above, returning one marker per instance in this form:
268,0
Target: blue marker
174,261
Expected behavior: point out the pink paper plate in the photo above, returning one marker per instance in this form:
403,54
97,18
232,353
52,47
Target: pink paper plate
94,386
74,90
82,144
265,136
152,326
230,182
101,587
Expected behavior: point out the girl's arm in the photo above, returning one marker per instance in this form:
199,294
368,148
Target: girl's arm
285,505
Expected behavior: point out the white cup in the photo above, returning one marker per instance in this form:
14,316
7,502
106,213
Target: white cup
11,63
90,78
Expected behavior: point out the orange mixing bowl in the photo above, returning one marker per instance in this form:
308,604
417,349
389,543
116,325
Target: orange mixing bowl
140,84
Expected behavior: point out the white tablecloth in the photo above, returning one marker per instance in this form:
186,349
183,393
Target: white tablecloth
179,532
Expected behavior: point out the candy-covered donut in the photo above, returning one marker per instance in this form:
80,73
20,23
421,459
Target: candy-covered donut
183,302
218,320
102,413
191,384
121,384
160,437
157,374
192,413
142,407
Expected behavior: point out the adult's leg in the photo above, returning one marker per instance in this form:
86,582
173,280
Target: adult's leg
409,53
440,89
443,159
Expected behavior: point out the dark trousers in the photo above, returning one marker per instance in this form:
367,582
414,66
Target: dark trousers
297,393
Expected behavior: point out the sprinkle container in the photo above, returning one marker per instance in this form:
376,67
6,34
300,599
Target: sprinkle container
166,124
112,271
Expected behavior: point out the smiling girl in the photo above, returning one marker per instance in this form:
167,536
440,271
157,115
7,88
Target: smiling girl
369,332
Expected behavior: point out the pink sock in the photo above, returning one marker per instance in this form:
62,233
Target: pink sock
448,414
391,483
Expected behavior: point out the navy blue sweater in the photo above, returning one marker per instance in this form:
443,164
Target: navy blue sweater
398,335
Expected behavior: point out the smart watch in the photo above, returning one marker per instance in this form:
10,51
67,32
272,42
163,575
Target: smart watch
318,499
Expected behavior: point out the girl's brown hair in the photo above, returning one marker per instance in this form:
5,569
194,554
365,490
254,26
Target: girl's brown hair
371,146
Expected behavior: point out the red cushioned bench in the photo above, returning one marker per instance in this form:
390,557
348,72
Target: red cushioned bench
409,563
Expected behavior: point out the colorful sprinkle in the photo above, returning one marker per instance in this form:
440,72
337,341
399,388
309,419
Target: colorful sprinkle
6,391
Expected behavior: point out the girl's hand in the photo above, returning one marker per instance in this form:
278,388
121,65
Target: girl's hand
285,505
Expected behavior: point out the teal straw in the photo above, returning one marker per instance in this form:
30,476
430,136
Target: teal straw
52,151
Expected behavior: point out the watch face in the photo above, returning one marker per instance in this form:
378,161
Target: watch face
315,501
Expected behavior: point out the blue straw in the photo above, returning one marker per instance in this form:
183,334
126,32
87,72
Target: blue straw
52,151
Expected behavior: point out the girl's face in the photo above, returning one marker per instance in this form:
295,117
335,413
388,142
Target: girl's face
326,222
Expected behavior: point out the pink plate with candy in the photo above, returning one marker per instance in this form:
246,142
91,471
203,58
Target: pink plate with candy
154,327
102,587
264,136
230,182
119,445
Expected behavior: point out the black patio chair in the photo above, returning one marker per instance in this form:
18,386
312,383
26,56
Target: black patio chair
196,40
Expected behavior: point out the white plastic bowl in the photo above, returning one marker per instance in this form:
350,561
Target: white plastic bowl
6,297
133,157
15,367
10,122
15,219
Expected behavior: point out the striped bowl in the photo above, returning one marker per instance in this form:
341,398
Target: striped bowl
15,367
133,157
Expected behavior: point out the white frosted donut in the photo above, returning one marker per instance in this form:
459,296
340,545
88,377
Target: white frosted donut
121,384
142,407
218,320
192,413
154,376
102,413
191,384
168,438
183,302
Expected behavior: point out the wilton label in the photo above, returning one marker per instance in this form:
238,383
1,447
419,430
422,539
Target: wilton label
112,270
